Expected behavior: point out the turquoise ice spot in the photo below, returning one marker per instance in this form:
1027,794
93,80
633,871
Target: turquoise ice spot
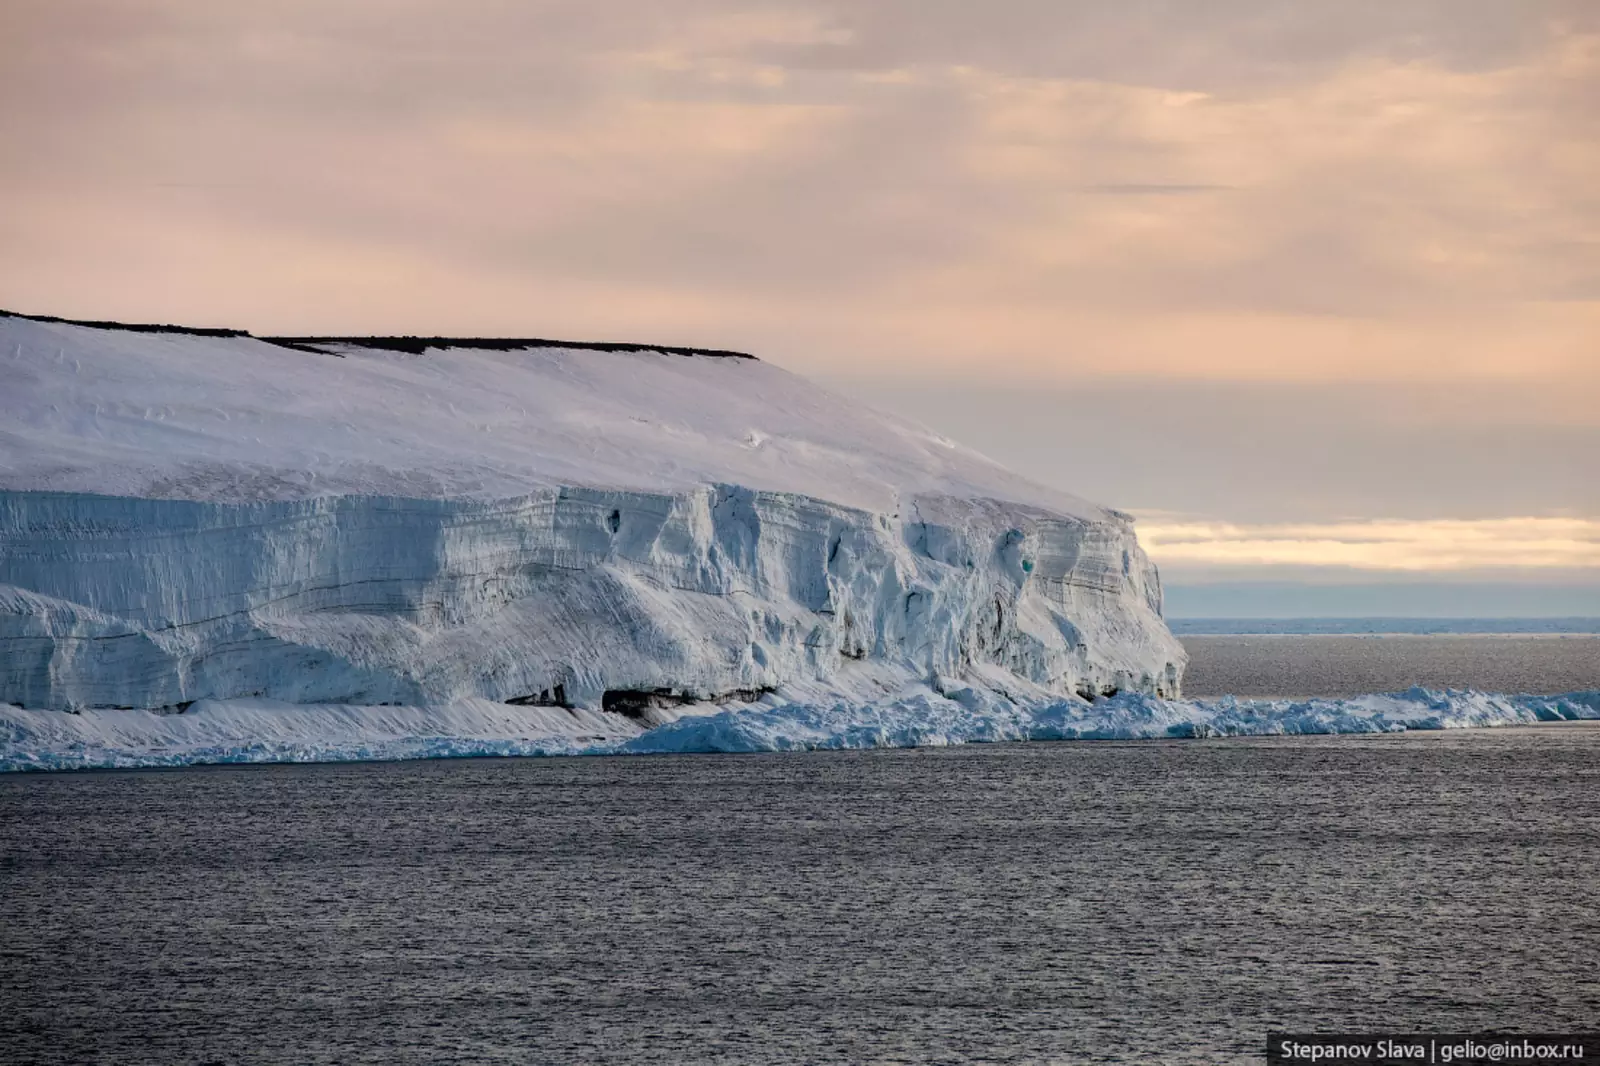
1027,566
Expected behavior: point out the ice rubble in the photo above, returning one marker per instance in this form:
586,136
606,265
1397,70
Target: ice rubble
220,518
258,731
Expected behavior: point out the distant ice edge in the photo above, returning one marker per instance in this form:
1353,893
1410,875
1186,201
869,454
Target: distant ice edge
258,731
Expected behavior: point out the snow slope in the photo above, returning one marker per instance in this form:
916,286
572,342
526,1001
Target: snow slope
175,416
190,517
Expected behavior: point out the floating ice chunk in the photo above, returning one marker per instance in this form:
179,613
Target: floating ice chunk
262,731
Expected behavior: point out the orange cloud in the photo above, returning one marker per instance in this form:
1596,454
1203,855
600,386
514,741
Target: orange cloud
1381,545
804,183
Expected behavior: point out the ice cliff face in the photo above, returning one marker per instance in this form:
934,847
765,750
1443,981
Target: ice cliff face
188,517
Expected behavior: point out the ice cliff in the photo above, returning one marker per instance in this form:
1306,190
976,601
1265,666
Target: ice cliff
607,537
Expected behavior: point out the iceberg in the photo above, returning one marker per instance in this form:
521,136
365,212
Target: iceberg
317,546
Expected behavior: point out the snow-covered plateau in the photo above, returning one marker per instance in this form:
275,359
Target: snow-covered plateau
218,547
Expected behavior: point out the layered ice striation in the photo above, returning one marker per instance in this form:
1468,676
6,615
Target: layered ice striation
605,538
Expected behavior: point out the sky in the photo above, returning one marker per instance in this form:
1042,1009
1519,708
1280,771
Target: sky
1312,288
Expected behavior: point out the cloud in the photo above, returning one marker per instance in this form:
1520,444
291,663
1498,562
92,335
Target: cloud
1392,545
1264,452
1033,192
1177,44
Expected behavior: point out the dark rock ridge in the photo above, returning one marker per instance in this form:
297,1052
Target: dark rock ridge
412,345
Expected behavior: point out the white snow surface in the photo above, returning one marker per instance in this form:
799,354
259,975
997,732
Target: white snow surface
202,520
257,731
176,416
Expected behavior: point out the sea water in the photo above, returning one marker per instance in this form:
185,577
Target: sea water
1287,664
1167,901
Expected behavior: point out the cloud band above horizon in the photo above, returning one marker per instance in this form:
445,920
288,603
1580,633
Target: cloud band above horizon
1530,544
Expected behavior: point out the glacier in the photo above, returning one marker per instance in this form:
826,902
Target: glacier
216,547
194,518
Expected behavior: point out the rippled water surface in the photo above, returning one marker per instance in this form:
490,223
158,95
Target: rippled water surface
1069,902
1321,665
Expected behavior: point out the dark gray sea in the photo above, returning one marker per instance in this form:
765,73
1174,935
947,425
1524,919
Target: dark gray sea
1151,902
1289,664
